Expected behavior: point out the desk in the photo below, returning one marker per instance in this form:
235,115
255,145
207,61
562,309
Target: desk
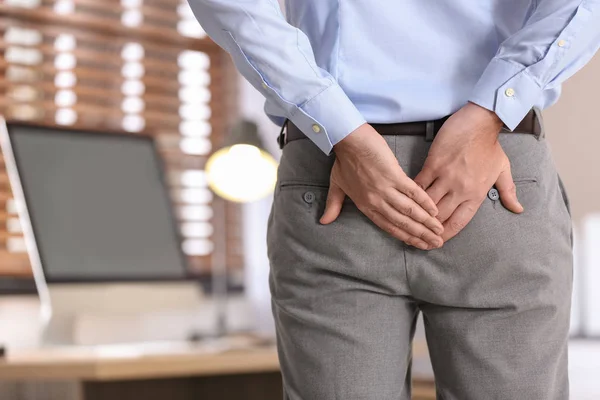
184,372
175,372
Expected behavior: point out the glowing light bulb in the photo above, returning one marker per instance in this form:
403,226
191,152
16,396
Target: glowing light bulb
241,173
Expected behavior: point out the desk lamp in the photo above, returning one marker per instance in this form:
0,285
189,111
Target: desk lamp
241,171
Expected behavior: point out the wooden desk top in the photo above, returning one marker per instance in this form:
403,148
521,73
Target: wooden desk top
127,362
144,361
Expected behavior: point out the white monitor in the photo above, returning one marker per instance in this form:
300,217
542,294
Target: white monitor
98,224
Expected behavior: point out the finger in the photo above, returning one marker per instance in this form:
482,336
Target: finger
425,178
410,189
408,207
437,191
447,205
459,219
508,192
409,225
396,232
333,207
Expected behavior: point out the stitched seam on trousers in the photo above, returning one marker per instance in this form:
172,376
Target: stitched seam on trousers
406,271
404,249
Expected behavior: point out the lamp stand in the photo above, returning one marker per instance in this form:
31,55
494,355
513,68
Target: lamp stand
219,278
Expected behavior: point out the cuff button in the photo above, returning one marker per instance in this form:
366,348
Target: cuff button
316,128
510,92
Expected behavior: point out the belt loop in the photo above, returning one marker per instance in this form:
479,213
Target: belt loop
429,131
281,138
538,123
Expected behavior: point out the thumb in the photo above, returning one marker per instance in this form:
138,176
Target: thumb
508,192
333,207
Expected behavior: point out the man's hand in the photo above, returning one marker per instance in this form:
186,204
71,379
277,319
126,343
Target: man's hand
464,162
368,172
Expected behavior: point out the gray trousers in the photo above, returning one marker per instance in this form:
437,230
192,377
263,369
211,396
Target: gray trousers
495,299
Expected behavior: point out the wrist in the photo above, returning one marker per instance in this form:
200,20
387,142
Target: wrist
353,139
485,117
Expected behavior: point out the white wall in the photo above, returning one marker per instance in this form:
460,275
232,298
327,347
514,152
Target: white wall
573,130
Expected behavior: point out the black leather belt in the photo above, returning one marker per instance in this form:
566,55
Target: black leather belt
530,124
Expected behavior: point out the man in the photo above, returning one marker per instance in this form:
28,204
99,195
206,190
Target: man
386,208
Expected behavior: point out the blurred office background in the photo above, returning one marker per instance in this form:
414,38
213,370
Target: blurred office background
146,67
131,66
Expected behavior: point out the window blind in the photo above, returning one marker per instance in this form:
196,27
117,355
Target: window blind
141,66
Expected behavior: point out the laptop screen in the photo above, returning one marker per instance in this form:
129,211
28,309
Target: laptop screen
98,205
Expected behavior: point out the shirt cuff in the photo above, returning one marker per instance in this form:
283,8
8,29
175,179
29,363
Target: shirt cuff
328,118
508,90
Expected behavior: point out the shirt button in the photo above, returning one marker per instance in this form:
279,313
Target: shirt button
562,43
264,85
493,194
316,128
309,197
510,92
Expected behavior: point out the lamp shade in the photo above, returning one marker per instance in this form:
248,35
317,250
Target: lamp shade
242,171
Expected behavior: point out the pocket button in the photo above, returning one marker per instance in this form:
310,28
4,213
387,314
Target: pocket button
493,194
309,197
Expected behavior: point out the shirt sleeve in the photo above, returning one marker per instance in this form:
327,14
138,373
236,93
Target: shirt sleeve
278,60
558,39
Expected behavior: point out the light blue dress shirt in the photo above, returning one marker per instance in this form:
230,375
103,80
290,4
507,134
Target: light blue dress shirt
336,64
